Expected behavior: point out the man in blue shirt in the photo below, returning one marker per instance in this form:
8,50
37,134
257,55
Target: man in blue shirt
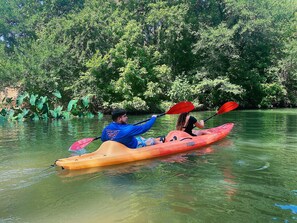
120,131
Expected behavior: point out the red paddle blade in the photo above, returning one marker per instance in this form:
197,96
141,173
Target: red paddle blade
80,144
181,107
228,106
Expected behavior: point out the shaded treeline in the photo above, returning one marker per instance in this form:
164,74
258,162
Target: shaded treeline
144,55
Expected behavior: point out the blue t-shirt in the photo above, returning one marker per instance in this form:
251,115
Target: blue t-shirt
125,133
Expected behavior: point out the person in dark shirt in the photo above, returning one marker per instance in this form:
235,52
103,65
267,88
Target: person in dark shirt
120,131
187,123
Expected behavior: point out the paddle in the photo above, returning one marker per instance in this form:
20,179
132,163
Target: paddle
181,107
228,106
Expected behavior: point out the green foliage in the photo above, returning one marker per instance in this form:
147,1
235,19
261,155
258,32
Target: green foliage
129,52
57,112
57,94
136,104
41,102
85,101
71,104
100,115
35,108
21,98
33,98
274,95
215,92
181,90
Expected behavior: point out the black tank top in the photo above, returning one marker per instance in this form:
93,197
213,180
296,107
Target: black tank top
190,125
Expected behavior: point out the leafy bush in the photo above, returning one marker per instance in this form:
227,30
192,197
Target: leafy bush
274,95
134,105
181,90
35,107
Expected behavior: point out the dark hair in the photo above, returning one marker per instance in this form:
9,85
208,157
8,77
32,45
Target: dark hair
117,113
181,121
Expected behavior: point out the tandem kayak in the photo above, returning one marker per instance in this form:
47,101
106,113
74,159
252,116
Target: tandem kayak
112,153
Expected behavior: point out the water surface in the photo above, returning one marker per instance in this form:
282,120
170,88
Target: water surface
248,177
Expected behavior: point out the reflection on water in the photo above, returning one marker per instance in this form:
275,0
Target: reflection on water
248,177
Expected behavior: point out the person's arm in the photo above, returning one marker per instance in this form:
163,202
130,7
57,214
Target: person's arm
199,124
140,129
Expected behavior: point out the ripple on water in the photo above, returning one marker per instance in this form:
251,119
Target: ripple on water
266,166
15,179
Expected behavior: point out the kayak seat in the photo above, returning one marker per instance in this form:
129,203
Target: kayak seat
177,135
111,147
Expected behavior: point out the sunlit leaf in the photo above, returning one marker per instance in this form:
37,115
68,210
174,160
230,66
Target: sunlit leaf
20,99
53,113
57,112
40,102
39,105
25,112
66,115
71,104
44,116
20,117
90,115
10,114
35,117
43,99
33,98
85,101
100,115
57,94
59,109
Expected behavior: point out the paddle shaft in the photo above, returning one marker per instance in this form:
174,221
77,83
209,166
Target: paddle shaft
228,106
149,119
205,120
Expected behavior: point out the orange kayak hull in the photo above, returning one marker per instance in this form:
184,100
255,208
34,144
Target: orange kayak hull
113,153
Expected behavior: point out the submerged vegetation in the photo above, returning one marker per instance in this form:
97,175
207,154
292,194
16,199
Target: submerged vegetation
127,53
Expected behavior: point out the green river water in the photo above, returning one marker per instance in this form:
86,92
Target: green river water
251,176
